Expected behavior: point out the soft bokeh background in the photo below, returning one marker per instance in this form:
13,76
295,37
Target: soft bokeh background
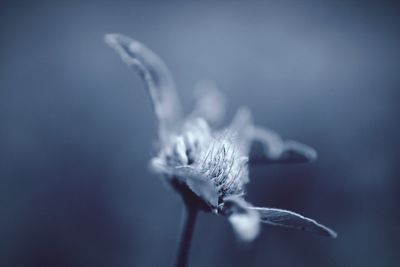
77,129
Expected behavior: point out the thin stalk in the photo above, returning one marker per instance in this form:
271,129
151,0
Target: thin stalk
188,224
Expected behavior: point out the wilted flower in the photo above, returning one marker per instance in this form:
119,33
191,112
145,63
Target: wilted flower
209,168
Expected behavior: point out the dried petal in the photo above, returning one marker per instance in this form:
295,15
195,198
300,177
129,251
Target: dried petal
275,149
240,125
245,221
285,218
211,103
297,152
156,76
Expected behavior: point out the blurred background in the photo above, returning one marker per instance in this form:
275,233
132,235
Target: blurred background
77,129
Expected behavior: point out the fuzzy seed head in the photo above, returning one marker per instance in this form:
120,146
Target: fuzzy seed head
214,156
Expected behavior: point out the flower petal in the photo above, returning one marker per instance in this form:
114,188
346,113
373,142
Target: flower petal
156,76
245,221
293,220
203,188
240,125
211,103
275,150
294,151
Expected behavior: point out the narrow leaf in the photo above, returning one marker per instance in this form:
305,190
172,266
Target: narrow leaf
285,218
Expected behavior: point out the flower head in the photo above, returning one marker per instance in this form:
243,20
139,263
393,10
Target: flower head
210,167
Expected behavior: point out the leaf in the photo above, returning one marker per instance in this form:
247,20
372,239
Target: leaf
285,218
156,76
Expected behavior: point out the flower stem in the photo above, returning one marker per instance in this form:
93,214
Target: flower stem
189,221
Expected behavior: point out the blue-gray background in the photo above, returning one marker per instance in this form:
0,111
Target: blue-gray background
77,129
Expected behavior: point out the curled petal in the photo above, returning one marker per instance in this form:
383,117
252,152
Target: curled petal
272,143
297,152
247,133
197,135
180,151
211,103
240,125
285,218
154,73
275,150
245,221
246,225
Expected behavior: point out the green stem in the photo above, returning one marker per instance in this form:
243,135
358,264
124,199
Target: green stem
189,222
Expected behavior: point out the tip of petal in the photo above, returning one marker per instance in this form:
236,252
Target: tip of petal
245,221
247,227
114,39
122,44
311,154
295,151
110,37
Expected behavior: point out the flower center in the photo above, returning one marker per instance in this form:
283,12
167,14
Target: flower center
214,156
